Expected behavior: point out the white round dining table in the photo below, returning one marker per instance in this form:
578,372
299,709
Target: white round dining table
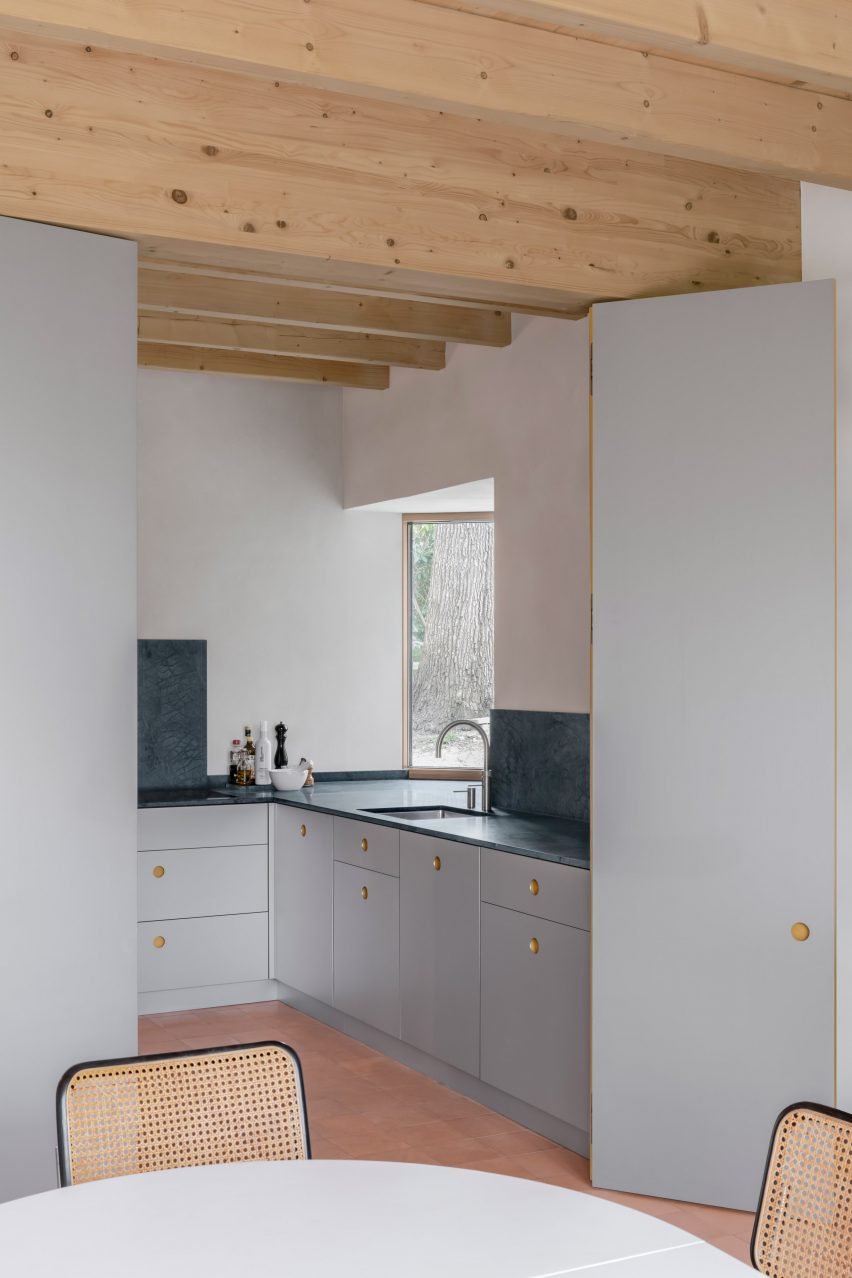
329,1219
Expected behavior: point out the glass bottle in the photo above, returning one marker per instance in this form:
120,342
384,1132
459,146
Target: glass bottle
233,757
245,762
250,756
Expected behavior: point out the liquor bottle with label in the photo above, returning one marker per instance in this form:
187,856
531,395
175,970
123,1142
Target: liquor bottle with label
246,762
233,759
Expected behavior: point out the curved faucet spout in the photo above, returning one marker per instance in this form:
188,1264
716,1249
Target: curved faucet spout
486,770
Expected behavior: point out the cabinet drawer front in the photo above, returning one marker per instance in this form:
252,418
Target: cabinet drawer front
373,847
161,828
313,829
209,951
191,882
535,1012
366,946
439,948
544,888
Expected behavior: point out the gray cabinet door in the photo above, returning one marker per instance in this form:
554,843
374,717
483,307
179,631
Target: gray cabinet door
535,1012
439,948
713,804
366,946
304,885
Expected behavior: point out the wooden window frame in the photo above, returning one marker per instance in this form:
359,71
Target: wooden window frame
423,773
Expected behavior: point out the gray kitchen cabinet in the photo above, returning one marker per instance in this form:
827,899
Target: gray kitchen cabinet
366,946
375,847
220,825
185,953
535,1012
203,898
439,948
546,888
714,794
304,890
191,882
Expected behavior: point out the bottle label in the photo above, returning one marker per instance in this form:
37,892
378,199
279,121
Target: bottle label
263,761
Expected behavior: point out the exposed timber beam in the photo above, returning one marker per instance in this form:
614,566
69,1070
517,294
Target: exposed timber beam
191,294
469,63
273,339
805,42
177,155
243,364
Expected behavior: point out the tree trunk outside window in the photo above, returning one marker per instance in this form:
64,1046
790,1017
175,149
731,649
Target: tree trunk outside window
455,674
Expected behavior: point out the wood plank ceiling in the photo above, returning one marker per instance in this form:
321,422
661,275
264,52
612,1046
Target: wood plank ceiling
322,190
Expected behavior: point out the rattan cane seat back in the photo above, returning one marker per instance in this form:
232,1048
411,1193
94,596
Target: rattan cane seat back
182,1109
803,1227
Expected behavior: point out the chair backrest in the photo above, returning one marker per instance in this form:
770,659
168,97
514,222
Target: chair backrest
181,1109
803,1227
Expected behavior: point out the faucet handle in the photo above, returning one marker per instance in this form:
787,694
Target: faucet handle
470,791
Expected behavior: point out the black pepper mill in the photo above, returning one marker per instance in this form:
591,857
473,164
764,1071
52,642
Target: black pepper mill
281,749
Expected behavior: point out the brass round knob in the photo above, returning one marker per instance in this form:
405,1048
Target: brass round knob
159,942
364,845
800,931
303,829
158,871
364,894
436,863
534,886
534,946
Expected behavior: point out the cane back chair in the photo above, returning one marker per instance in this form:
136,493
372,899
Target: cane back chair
181,1109
803,1227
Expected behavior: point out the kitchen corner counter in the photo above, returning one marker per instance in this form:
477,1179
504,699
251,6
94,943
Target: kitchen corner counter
542,837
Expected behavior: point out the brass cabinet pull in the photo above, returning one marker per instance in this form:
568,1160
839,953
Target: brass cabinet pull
534,946
534,886
436,863
158,871
364,845
159,942
800,931
364,894
303,829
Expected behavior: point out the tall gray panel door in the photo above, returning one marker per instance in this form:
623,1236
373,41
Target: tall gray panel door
713,755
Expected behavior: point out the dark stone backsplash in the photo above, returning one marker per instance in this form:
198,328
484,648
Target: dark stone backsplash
172,726
540,763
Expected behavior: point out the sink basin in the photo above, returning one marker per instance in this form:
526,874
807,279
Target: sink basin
425,814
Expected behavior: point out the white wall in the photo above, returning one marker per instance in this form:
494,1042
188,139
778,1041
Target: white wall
243,542
827,254
67,674
521,415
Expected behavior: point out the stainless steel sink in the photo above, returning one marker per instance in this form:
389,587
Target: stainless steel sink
425,814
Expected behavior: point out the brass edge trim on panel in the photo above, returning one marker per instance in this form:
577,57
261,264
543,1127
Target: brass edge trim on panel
591,731
836,690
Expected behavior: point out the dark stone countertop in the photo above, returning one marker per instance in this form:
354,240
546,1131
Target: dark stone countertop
546,838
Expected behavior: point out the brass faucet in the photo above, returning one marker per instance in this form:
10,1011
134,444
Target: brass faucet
486,771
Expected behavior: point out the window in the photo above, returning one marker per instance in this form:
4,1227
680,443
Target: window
449,634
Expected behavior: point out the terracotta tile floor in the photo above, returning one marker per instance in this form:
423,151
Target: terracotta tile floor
364,1105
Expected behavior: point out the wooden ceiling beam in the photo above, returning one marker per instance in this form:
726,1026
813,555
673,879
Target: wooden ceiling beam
804,42
273,339
242,168
246,364
468,63
195,295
